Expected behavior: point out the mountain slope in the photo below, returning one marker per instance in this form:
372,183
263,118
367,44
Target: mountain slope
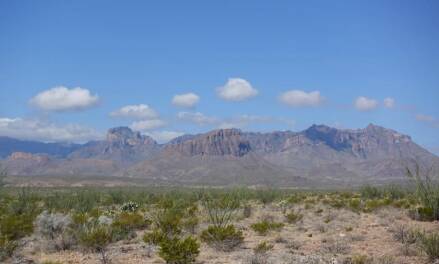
319,155
10,145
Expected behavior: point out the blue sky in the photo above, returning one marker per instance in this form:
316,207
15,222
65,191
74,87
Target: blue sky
250,64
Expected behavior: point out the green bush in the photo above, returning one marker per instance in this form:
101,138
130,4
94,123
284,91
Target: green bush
126,223
14,226
96,238
263,227
179,251
224,238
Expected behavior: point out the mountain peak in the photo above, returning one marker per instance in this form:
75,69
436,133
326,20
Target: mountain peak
126,136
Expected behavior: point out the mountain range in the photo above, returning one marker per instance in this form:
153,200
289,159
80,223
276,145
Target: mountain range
317,156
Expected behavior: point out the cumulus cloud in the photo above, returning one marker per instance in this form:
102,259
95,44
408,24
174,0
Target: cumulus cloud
197,118
32,129
187,100
64,99
299,98
164,136
146,125
239,121
389,102
243,121
365,104
236,89
141,111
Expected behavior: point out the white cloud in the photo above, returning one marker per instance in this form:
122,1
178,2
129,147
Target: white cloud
64,99
243,121
240,121
197,118
187,100
146,125
299,98
164,136
141,111
32,129
236,89
389,102
365,104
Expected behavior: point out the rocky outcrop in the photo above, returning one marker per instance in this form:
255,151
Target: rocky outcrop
222,142
24,156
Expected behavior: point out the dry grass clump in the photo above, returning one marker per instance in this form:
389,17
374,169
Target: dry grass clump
335,246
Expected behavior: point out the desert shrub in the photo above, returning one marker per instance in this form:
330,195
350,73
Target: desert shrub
16,226
429,243
168,221
395,192
295,198
372,205
20,212
267,196
126,223
336,246
370,192
221,209
56,228
354,204
427,191
3,174
96,237
130,207
153,237
293,217
224,238
335,202
264,226
7,247
263,247
360,259
179,251
405,235
257,258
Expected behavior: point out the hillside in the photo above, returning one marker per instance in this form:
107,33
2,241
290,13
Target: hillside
319,155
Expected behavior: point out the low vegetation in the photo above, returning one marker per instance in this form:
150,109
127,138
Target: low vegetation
182,225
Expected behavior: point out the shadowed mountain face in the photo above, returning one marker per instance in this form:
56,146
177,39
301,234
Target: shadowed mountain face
319,155
10,145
